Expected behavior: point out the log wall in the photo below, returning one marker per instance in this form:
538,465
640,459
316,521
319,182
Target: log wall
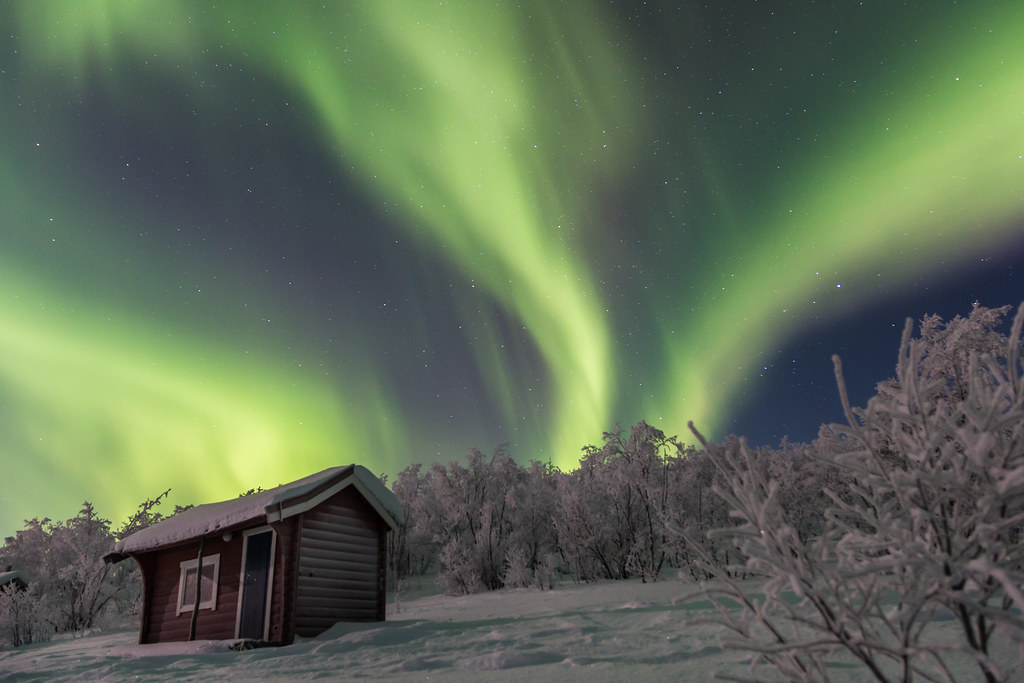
339,567
164,566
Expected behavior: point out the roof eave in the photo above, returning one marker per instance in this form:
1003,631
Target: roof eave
114,557
220,531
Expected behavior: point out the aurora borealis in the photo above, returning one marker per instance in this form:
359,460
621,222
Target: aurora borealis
246,241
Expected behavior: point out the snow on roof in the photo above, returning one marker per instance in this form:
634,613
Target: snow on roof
267,506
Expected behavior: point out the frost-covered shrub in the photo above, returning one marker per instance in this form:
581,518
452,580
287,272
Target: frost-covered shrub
460,570
78,575
545,572
66,559
72,584
23,616
925,520
518,573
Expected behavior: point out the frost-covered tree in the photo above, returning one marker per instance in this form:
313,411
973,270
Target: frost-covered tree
72,585
488,522
532,544
610,515
23,615
947,348
411,550
468,511
146,516
925,520
76,574
582,523
66,559
694,508
803,479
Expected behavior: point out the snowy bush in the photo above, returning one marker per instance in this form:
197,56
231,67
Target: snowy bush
23,616
82,583
73,586
924,521
66,558
460,568
518,573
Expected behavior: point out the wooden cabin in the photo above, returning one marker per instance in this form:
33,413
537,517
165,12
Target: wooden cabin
277,564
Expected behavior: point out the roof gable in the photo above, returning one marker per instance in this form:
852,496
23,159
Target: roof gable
266,506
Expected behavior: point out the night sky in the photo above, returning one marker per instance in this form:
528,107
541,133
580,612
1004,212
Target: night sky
243,242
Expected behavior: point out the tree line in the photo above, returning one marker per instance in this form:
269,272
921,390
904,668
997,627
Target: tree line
911,512
638,504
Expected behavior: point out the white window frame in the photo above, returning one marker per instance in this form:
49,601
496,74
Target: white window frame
192,565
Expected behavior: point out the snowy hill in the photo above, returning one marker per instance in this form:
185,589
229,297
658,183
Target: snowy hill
611,631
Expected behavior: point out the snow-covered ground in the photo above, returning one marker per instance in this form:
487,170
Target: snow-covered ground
610,631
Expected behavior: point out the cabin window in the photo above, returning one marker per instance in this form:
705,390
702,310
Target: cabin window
187,584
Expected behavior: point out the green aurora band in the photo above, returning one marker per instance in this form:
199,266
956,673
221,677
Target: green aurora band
938,174
491,133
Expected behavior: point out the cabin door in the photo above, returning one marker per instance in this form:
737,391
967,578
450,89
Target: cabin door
256,583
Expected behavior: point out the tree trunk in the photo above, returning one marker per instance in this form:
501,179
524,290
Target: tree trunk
199,590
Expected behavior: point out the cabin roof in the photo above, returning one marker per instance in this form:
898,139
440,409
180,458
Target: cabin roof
17,576
266,506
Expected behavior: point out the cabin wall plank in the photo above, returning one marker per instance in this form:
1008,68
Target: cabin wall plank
339,551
